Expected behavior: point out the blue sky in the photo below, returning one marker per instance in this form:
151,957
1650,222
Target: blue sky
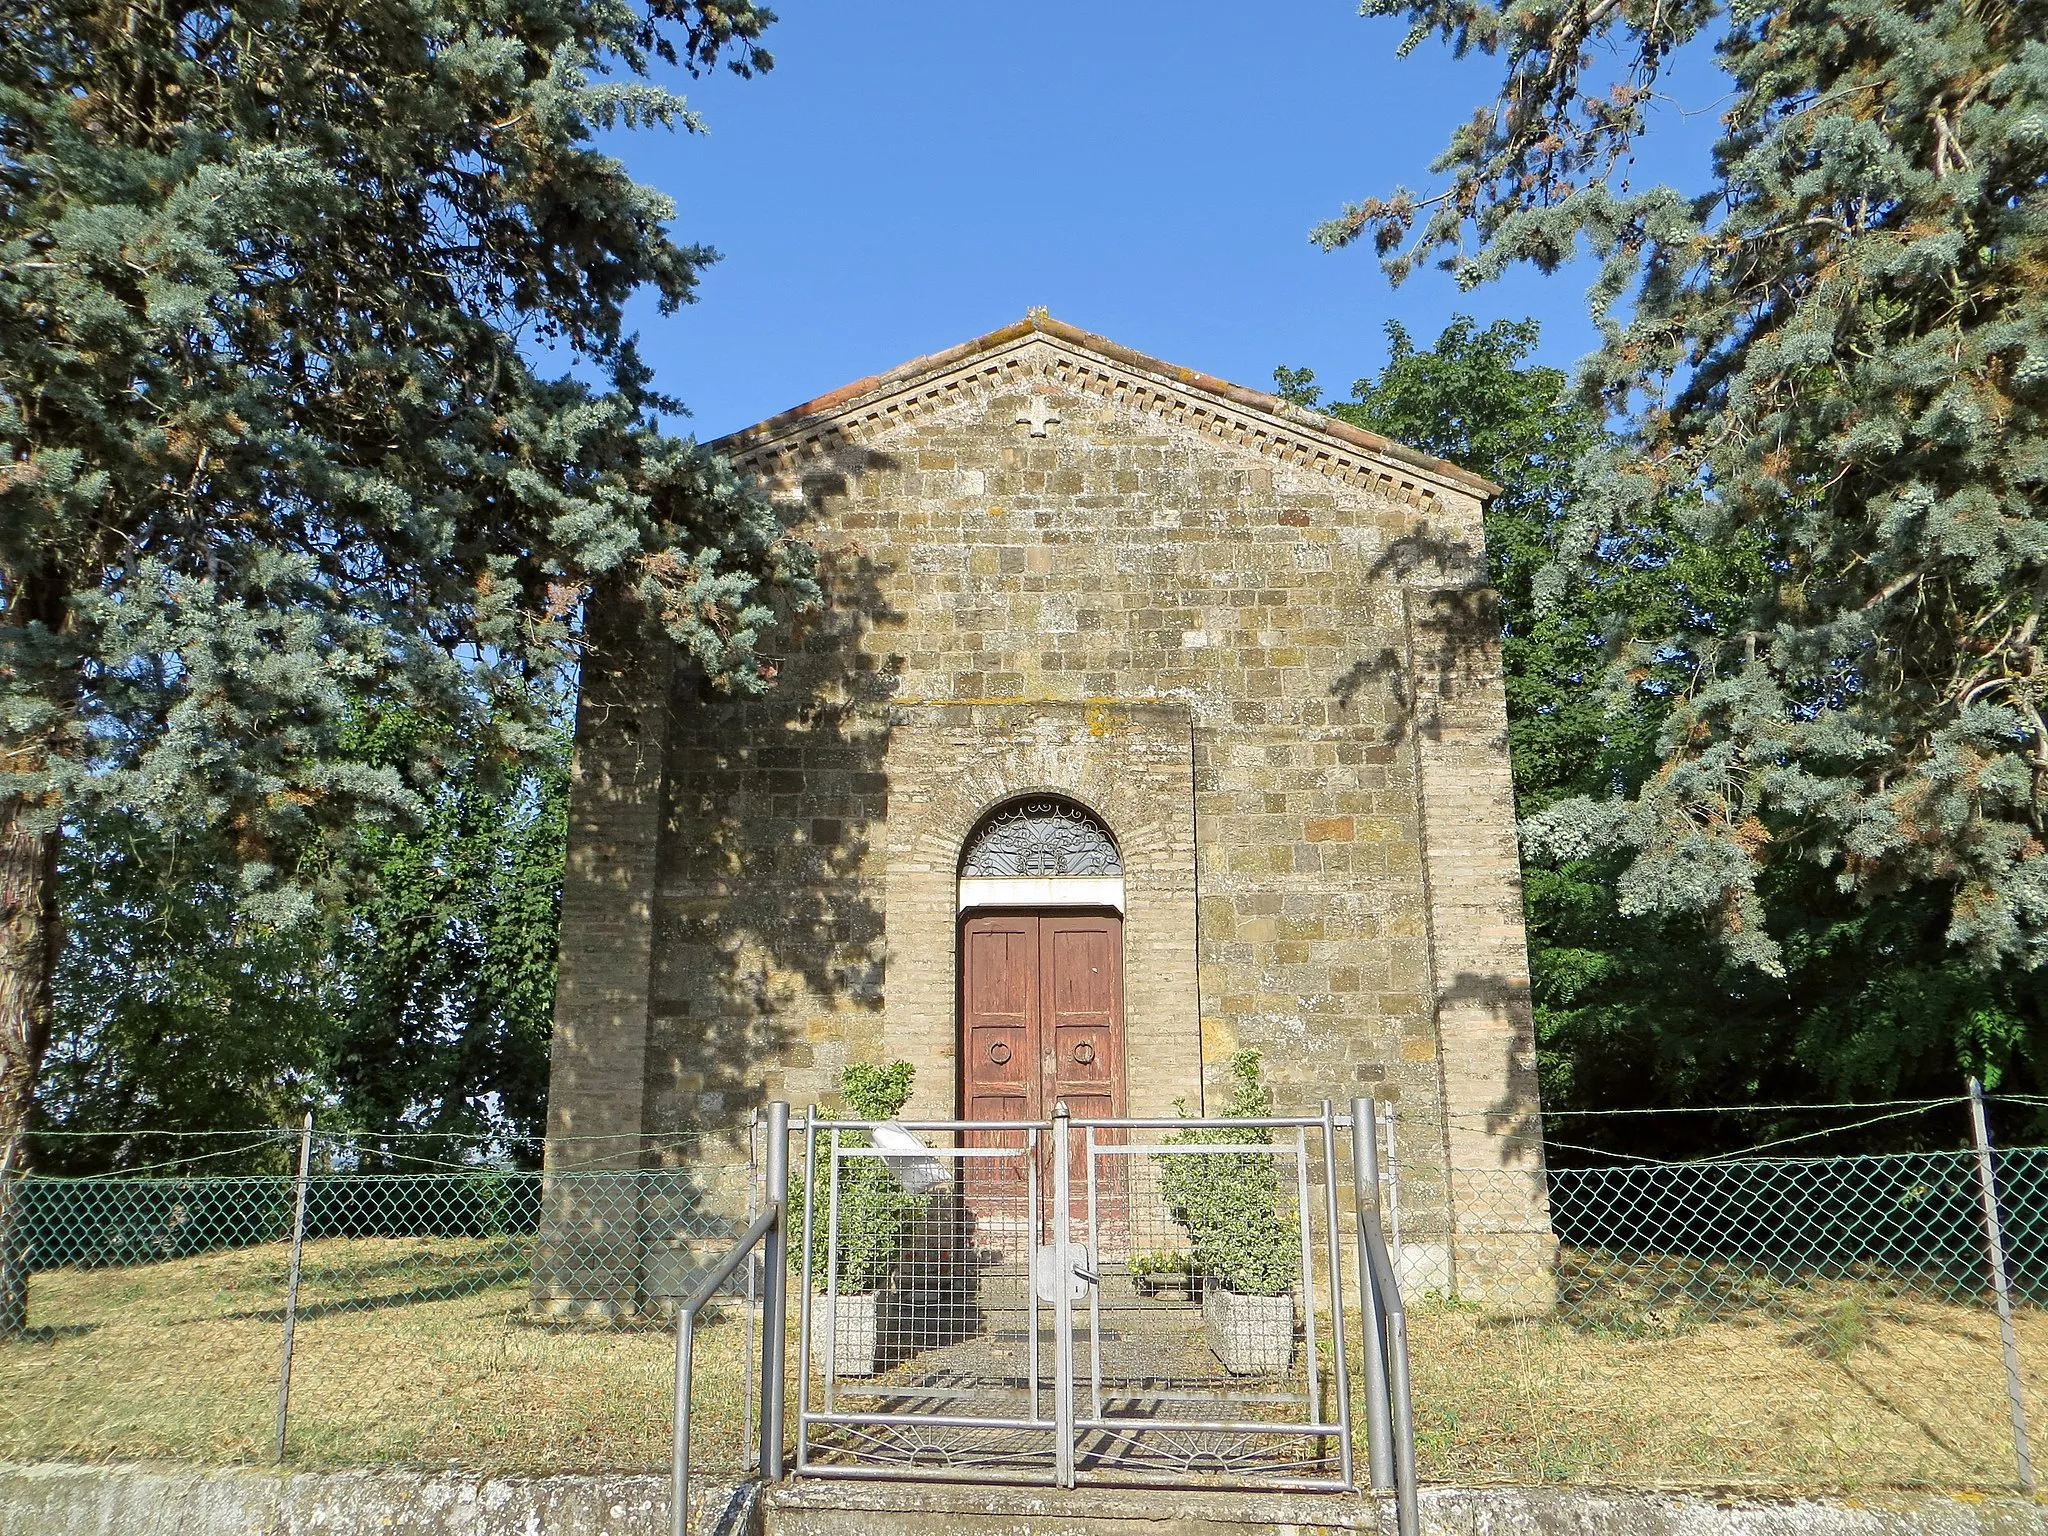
914,173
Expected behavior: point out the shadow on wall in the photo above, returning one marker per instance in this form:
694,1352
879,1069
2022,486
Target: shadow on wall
767,934
768,917
1456,619
1511,1117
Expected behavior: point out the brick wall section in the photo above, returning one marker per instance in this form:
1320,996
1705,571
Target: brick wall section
1187,615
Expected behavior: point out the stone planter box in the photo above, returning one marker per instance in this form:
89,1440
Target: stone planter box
853,1332
1251,1335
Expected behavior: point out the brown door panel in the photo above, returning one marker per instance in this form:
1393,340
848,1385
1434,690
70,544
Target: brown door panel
1041,1021
999,1050
1081,983
1081,960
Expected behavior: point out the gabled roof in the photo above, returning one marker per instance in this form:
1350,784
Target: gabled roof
1229,410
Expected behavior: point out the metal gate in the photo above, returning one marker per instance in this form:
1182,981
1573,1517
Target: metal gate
1073,1301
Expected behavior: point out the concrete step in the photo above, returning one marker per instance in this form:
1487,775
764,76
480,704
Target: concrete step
119,1500
844,1507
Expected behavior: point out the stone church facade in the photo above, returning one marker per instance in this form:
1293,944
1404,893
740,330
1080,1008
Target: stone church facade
1149,718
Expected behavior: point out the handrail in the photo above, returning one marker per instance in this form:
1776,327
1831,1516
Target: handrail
769,1232
1390,1398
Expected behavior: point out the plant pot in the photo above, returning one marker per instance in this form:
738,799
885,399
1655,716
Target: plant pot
853,1332
1251,1335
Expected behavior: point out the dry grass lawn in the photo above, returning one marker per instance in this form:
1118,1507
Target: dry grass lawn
420,1351
1890,1395
180,1360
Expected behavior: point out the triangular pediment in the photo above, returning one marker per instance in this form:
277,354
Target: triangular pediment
1039,348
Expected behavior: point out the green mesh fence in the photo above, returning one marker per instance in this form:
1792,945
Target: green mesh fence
1774,1323
505,1319
1913,1218
1812,1322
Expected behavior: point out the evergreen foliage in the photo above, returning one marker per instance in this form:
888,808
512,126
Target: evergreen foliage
274,450
1834,355
1650,1011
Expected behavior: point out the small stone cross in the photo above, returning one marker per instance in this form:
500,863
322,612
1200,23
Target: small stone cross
1039,413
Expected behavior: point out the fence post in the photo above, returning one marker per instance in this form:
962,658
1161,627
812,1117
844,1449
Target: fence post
1062,1268
756,1303
805,1299
1994,1253
775,1293
1365,1200
291,1290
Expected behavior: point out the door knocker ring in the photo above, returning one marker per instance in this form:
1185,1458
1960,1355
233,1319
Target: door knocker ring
1084,1053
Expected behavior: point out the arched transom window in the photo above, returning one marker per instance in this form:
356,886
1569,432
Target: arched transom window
1041,850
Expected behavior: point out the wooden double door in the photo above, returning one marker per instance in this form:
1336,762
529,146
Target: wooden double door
1041,1022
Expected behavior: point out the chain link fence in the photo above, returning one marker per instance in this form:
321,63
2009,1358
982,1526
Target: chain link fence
445,1311
1822,1322
1755,1321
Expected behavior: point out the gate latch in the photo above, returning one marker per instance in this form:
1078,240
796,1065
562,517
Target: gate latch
1088,1274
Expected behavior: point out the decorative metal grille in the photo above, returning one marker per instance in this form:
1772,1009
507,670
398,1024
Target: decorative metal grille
1041,836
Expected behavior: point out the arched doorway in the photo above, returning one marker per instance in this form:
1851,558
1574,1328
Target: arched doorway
1041,986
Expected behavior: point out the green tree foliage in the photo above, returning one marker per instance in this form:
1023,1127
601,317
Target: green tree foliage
424,1005
1650,1010
175,1009
273,448
444,974
1836,352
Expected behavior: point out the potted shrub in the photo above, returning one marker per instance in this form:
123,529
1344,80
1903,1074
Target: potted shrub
875,1213
1242,1239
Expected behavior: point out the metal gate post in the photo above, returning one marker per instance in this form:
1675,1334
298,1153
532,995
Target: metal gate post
1365,1197
1333,1249
1994,1253
757,1304
1061,1271
1305,1233
775,1293
803,1299
1031,1252
1095,1285
832,1276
